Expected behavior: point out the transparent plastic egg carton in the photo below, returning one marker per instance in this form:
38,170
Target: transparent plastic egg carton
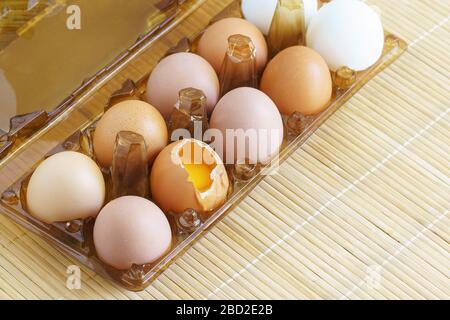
71,128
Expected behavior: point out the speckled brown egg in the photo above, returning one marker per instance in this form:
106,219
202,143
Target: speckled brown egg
188,174
214,42
131,115
298,80
131,230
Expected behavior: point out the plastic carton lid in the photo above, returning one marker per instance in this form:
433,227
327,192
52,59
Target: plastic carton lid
48,47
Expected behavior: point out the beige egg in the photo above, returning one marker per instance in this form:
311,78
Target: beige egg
131,115
213,44
65,187
250,126
188,174
131,230
180,71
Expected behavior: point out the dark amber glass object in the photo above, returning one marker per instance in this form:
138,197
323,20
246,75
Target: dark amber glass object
189,114
129,172
239,66
288,26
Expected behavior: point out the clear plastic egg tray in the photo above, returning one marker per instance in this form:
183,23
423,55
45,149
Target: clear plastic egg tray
77,122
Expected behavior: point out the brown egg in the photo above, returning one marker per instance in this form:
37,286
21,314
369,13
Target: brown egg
298,80
180,71
131,115
188,174
131,230
250,126
213,44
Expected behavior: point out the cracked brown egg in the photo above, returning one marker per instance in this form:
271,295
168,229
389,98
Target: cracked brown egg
188,174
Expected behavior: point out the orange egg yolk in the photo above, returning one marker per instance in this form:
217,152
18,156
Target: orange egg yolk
199,173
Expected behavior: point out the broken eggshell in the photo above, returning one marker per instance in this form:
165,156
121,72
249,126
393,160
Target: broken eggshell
188,174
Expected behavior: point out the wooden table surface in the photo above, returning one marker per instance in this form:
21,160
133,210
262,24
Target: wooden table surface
361,211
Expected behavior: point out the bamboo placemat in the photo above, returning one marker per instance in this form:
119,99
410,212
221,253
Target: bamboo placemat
361,211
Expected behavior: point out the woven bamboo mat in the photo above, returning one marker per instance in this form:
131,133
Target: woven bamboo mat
360,212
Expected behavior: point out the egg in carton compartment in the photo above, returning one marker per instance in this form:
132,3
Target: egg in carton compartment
76,237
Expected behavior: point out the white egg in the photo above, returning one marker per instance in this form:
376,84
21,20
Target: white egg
64,187
261,12
347,33
310,7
